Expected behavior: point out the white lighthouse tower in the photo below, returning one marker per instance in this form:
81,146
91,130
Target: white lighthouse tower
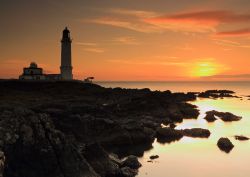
66,65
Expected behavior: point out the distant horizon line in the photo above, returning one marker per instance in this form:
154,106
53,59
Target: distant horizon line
96,81
171,81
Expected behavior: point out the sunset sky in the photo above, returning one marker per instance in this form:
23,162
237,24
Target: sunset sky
133,40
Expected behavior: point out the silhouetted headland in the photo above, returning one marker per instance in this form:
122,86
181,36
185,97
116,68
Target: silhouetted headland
76,129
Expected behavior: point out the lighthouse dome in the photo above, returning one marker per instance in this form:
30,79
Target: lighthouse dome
66,33
33,65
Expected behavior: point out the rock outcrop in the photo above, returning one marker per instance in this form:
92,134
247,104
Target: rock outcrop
216,94
196,133
34,148
225,116
69,129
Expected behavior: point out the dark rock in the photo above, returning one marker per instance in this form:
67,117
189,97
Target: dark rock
80,119
149,123
131,162
152,157
189,111
114,158
2,163
100,161
210,117
196,132
216,94
241,138
126,150
168,135
172,125
228,117
34,148
225,144
128,172
225,116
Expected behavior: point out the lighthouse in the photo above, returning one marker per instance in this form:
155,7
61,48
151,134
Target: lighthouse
66,64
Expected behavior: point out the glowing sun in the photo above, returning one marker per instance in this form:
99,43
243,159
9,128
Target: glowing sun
203,69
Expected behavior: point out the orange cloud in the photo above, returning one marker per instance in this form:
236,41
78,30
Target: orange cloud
148,21
199,21
135,24
203,17
128,40
94,50
240,32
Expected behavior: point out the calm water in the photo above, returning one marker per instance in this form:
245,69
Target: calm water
193,157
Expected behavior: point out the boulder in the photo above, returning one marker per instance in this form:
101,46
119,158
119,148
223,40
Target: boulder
197,133
131,162
225,145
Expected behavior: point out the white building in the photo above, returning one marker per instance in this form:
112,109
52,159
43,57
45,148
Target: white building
33,72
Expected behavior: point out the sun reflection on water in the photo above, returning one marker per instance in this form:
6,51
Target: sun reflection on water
191,157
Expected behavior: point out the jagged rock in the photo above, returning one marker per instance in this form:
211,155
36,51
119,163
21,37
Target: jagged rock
131,162
114,158
2,163
128,172
100,161
225,144
152,157
37,144
168,134
197,132
241,138
34,148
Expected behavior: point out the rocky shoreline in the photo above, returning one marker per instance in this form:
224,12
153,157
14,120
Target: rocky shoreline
72,129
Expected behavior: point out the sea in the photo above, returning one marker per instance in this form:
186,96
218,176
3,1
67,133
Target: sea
198,157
